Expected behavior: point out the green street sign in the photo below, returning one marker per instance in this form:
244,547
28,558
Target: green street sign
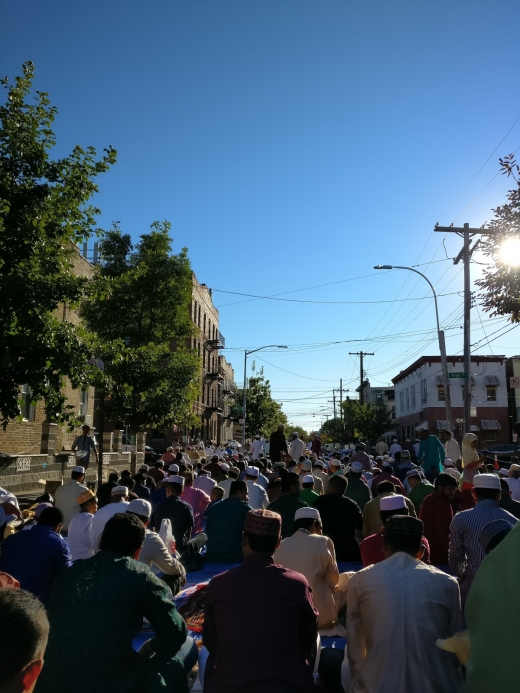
457,375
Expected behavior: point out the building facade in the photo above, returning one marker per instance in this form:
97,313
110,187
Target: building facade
420,398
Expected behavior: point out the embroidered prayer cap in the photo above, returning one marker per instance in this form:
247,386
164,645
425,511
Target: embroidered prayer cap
356,466
174,468
119,489
404,524
487,481
252,471
413,472
308,479
503,472
405,454
490,531
311,513
40,508
79,470
175,479
139,506
83,497
263,523
144,468
306,466
396,502
514,468
319,463
235,470
225,466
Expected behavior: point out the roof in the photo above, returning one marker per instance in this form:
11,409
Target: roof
437,359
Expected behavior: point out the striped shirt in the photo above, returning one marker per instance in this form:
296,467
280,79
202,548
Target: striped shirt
465,553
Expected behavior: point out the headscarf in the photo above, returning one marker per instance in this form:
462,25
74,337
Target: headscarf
492,618
468,453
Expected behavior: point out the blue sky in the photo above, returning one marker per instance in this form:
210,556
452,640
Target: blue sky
292,144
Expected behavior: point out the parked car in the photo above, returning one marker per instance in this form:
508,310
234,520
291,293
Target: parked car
503,451
150,456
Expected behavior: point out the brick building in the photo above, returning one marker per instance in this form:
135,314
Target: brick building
420,398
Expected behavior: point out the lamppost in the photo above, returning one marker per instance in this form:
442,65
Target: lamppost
246,354
442,344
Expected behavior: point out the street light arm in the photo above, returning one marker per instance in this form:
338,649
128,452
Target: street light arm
269,346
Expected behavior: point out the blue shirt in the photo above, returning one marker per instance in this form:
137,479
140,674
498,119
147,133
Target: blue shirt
35,558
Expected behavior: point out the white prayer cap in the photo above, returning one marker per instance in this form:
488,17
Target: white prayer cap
335,462
139,506
225,466
503,472
378,458
306,465
319,463
311,513
308,479
448,463
169,449
119,490
413,472
144,468
487,481
174,468
295,433
356,466
394,440
205,472
175,479
79,470
451,471
257,437
252,471
392,503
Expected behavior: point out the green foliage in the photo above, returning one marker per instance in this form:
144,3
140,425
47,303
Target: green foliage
500,283
366,421
139,308
263,413
45,211
336,431
291,428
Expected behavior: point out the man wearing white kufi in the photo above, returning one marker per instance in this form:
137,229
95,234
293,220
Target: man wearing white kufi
258,499
308,552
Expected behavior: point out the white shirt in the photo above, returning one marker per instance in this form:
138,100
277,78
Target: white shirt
514,487
296,449
204,483
258,499
395,447
155,553
100,519
79,536
452,449
256,447
65,498
226,485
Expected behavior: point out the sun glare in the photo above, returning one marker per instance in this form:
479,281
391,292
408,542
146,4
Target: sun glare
510,252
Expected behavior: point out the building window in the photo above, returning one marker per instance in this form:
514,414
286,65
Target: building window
401,401
209,328
412,397
491,391
407,398
204,328
83,403
27,409
424,391
440,393
198,322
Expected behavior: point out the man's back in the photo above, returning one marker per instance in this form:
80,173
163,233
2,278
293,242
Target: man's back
396,610
224,527
286,506
357,491
341,518
86,596
100,519
371,513
65,498
265,611
180,515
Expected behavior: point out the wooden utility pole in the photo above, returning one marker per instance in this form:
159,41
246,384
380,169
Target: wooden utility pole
361,378
341,398
465,255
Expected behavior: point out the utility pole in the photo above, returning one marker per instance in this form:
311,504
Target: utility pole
361,378
334,400
341,398
465,255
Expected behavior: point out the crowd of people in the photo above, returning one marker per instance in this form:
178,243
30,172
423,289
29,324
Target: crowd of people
408,551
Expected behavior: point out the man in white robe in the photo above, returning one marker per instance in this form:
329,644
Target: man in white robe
396,611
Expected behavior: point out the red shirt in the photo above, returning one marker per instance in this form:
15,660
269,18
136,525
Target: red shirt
437,514
372,549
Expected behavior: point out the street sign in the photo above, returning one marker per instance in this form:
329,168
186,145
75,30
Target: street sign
514,382
457,375
515,437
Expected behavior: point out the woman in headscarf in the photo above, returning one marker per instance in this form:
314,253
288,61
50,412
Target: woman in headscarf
471,460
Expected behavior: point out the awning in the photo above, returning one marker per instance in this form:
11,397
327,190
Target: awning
492,380
474,428
490,425
422,426
442,426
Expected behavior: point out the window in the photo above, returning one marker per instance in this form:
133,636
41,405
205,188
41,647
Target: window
440,393
407,398
27,409
83,402
412,398
401,401
199,316
491,391
424,392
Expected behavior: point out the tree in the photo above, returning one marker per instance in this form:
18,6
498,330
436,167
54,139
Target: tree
45,212
139,308
299,430
263,414
500,283
336,431
372,420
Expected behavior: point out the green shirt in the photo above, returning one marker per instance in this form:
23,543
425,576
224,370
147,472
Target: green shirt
96,609
419,493
224,527
308,496
357,491
286,506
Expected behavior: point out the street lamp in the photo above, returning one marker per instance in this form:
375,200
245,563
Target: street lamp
246,354
442,343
